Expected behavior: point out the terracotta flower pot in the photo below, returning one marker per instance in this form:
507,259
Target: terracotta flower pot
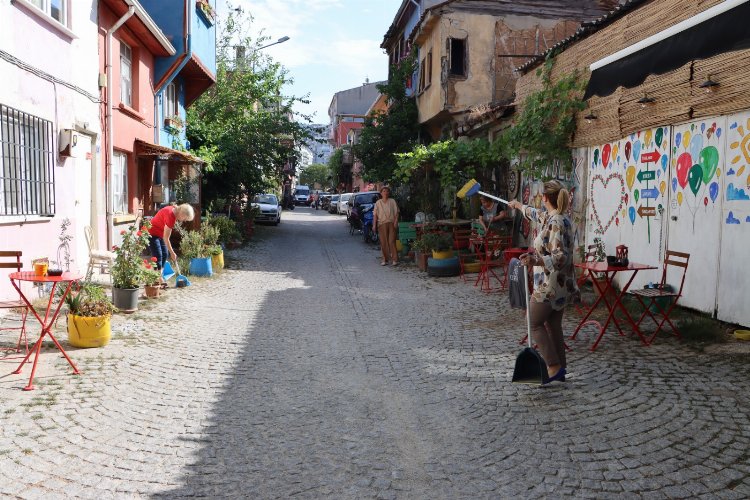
153,292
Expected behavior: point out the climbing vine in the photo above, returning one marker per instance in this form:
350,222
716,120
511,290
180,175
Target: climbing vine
539,138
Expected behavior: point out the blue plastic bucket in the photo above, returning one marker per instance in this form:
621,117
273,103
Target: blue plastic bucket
201,267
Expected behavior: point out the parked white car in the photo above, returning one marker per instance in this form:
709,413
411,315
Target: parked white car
343,202
269,209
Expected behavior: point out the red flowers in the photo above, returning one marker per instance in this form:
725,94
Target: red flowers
114,247
153,259
122,233
138,233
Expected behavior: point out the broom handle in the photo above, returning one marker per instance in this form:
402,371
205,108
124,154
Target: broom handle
528,306
493,197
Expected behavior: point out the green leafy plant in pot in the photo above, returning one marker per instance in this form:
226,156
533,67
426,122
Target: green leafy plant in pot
127,270
441,245
89,314
151,279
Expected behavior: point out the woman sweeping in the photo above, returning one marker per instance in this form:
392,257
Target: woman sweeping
161,230
554,276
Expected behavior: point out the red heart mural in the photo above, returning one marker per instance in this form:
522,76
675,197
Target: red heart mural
602,228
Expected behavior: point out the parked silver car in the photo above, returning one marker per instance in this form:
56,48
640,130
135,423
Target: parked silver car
343,202
269,209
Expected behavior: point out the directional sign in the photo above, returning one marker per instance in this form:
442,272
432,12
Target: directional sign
653,156
646,211
646,175
649,193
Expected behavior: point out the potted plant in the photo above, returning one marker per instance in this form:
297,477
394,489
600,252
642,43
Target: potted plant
211,235
441,245
151,281
89,314
127,270
420,253
194,251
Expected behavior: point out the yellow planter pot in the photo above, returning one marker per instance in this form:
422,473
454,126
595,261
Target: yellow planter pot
89,332
217,261
399,246
443,254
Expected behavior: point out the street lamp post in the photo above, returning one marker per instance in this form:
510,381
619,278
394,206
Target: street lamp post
280,40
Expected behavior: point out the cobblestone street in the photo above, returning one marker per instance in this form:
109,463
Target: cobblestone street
306,369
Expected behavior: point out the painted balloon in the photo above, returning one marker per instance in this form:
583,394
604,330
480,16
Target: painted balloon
709,160
659,136
596,156
617,221
658,173
686,139
703,127
662,187
630,176
713,190
636,150
664,162
679,198
647,137
674,183
705,201
696,144
636,195
631,214
628,148
626,198
606,151
695,178
677,139
684,162
718,132
615,150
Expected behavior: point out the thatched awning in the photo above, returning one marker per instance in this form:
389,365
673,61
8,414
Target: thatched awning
145,149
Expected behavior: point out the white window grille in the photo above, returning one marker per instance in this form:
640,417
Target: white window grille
27,176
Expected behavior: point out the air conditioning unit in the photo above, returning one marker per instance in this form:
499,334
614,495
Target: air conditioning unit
68,141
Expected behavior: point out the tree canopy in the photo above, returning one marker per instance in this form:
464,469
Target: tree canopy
317,173
244,127
386,133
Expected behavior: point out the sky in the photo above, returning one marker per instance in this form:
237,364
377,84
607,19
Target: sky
334,44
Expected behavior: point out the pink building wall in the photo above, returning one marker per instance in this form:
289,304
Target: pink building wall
31,39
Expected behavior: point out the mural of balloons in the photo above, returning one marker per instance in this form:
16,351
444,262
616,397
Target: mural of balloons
615,150
630,176
713,191
628,148
636,150
606,151
596,156
677,139
664,162
684,162
686,139
631,214
674,183
636,195
647,137
695,178
659,135
696,144
662,187
709,160
679,198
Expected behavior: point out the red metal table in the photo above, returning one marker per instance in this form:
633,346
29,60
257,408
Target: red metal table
610,272
49,320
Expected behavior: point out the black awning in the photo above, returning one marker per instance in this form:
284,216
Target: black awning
724,33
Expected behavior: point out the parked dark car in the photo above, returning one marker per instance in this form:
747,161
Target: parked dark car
334,203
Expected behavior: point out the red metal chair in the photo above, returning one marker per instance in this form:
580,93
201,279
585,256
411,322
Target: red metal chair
13,261
490,256
583,278
663,291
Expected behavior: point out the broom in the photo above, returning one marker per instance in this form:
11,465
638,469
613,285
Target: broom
472,188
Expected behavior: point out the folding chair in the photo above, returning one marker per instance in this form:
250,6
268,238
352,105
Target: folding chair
490,256
663,291
100,258
13,261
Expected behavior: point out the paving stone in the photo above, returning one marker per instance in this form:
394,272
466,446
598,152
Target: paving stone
306,368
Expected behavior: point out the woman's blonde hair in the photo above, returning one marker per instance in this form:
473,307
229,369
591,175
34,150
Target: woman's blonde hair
557,195
186,209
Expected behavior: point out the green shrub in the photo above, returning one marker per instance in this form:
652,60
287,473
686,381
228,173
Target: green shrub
228,230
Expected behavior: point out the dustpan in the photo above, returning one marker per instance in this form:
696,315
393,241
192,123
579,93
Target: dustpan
530,367
167,271
181,280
